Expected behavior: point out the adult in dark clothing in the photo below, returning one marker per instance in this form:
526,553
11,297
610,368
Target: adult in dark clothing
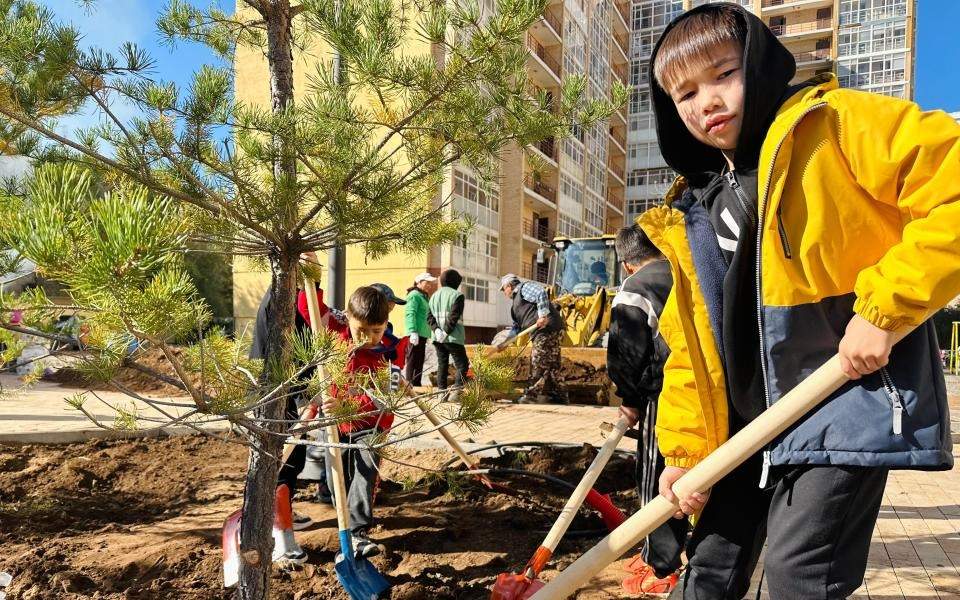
446,321
531,306
636,354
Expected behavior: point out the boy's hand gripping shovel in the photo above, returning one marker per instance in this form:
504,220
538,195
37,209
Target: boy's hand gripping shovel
803,398
357,575
516,586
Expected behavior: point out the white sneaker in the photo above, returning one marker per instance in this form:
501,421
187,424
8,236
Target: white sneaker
301,521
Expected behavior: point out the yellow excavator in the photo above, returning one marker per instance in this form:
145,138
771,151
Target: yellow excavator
583,277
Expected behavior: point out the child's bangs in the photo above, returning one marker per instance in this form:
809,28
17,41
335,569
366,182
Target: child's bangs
693,45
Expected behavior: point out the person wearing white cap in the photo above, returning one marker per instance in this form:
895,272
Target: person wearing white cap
415,319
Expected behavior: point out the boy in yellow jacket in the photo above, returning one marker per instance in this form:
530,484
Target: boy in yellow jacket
808,220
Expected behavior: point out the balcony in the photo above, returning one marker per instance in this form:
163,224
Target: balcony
544,68
533,271
621,18
548,30
779,7
541,190
537,230
619,72
615,201
814,58
620,46
805,30
620,138
547,149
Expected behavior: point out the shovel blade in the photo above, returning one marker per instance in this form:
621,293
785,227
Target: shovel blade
514,586
231,550
358,576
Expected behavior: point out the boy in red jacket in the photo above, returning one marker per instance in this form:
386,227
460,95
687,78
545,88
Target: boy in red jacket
367,314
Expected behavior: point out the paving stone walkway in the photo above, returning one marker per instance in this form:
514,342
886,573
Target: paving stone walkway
914,554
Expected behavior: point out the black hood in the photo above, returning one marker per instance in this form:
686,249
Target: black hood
768,68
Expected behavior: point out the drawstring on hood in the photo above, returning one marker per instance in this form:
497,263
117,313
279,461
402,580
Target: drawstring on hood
768,68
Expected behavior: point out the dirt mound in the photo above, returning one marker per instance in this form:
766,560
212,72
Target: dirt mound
142,519
138,381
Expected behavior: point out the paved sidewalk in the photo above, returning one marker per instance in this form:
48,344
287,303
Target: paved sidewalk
40,414
915,552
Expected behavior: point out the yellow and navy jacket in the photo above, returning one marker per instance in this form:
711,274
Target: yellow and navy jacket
858,213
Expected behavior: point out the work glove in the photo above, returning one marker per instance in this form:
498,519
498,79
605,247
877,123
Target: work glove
439,335
414,339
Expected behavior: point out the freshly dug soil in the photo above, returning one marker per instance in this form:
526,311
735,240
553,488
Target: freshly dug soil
133,379
142,519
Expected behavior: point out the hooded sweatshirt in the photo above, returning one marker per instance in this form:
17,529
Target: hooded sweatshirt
725,204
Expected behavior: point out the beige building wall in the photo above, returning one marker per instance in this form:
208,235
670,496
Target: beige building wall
520,209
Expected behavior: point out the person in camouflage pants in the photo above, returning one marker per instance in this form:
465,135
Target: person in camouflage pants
531,306
545,369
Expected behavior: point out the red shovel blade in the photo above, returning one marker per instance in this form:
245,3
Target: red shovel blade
512,586
231,550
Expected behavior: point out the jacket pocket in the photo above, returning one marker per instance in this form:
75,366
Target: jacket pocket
896,400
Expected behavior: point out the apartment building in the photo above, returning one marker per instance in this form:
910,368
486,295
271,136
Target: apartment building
574,187
869,44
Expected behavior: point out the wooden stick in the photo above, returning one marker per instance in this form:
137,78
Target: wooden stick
586,484
785,412
333,431
471,462
495,349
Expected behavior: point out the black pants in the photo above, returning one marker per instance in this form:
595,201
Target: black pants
665,544
459,353
360,473
818,521
413,369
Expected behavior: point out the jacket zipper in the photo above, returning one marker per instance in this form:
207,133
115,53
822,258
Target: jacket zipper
761,204
741,196
896,400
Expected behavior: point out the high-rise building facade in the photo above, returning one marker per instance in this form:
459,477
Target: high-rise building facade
573,187
869,44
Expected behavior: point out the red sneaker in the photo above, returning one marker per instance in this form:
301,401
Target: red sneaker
636,565
649,583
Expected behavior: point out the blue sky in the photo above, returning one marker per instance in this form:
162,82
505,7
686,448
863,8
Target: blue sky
113,21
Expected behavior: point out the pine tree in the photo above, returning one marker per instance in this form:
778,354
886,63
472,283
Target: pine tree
355,158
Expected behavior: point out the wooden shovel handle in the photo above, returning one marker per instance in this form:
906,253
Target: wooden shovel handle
333,432
497,348
586,484
469,461
785,412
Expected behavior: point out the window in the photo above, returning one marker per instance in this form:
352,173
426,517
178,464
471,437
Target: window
644,155
655,13
853,12
478,200
568,226
640,100
593,211
637,206
868,71
660,177
573,150
574,48
872,37
475,289
642,122
571,194
477,252
639,72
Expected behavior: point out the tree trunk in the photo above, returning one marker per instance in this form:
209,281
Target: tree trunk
256,539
